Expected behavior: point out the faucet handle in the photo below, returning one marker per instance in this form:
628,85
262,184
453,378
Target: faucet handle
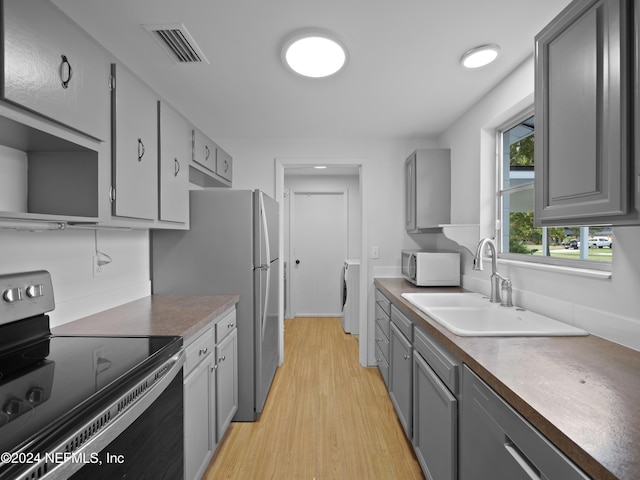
505,293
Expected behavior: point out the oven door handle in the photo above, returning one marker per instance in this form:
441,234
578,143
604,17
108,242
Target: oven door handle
115,419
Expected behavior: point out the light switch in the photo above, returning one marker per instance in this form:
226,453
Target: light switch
375,252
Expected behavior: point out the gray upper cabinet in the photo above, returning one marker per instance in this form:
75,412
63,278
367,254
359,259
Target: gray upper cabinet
53,68
584,169
427,190
204,150
173,162
224,164
134,147
211,165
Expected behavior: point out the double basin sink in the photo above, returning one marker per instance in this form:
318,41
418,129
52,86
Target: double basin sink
472,315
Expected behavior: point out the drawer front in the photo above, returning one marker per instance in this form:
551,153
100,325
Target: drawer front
441,361
402,322
382,319
198,350
384,302
383,365
382,342
225,325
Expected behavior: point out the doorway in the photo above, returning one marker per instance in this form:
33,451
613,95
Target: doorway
344,175
318,247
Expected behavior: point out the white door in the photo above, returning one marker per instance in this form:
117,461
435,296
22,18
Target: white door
318,249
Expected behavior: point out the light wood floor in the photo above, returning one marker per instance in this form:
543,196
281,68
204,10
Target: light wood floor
326,417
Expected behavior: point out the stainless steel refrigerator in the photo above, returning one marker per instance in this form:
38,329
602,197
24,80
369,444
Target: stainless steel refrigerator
230,248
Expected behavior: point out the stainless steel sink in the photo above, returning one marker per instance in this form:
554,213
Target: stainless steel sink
472,315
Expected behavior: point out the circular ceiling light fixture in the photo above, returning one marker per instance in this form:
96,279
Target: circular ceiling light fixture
315,53
480,56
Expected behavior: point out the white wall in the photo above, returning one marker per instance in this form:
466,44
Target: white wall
68,256
606,307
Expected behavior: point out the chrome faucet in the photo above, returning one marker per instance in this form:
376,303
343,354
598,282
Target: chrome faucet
500,286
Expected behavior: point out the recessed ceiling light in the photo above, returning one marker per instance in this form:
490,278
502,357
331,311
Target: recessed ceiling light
480,56
320,167
314,52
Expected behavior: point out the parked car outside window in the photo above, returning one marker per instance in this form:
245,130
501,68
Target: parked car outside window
573,244
599,242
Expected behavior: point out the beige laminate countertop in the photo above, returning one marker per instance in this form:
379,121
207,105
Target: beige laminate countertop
582,393
154,315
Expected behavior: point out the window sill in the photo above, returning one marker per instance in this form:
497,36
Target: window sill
564,269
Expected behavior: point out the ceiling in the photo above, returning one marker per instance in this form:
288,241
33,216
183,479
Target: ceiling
403,79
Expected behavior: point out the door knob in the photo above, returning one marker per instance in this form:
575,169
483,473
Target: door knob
297,262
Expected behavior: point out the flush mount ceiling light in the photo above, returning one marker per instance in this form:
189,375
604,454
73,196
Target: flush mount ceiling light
480,56
314,52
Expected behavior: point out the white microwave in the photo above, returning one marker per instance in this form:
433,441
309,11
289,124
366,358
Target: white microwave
431,269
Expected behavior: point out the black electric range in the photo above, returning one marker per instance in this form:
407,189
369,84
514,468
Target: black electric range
50,384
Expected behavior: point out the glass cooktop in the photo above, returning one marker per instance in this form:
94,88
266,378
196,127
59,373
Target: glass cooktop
52,380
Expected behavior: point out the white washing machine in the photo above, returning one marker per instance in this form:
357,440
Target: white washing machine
351,296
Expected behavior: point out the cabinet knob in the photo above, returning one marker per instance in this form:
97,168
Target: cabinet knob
223,358
407,357
203,351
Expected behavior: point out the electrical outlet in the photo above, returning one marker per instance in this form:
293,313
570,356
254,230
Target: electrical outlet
97,268
98,353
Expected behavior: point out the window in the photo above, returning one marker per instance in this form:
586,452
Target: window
518,238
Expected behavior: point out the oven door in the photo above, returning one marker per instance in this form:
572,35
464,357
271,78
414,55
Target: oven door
139,434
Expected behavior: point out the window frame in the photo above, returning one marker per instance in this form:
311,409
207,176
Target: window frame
582,264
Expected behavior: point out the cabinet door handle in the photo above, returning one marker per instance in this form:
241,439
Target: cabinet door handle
176,167
140,149
407,357
207,152
66,72
527,466
226,166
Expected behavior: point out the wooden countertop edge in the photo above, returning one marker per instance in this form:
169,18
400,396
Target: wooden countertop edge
571,449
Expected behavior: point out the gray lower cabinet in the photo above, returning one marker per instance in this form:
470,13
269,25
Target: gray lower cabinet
226,376
401,368
435,409
383,311
198,410
210,391
497,443
585,169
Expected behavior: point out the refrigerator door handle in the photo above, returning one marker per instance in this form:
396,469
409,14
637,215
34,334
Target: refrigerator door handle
265,231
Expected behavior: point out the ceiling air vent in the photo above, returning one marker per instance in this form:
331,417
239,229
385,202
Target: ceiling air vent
177,42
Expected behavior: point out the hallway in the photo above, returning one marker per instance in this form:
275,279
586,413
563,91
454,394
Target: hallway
326,417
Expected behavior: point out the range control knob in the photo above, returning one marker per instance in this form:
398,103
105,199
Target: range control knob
11,295
35,395
34,291
12,407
